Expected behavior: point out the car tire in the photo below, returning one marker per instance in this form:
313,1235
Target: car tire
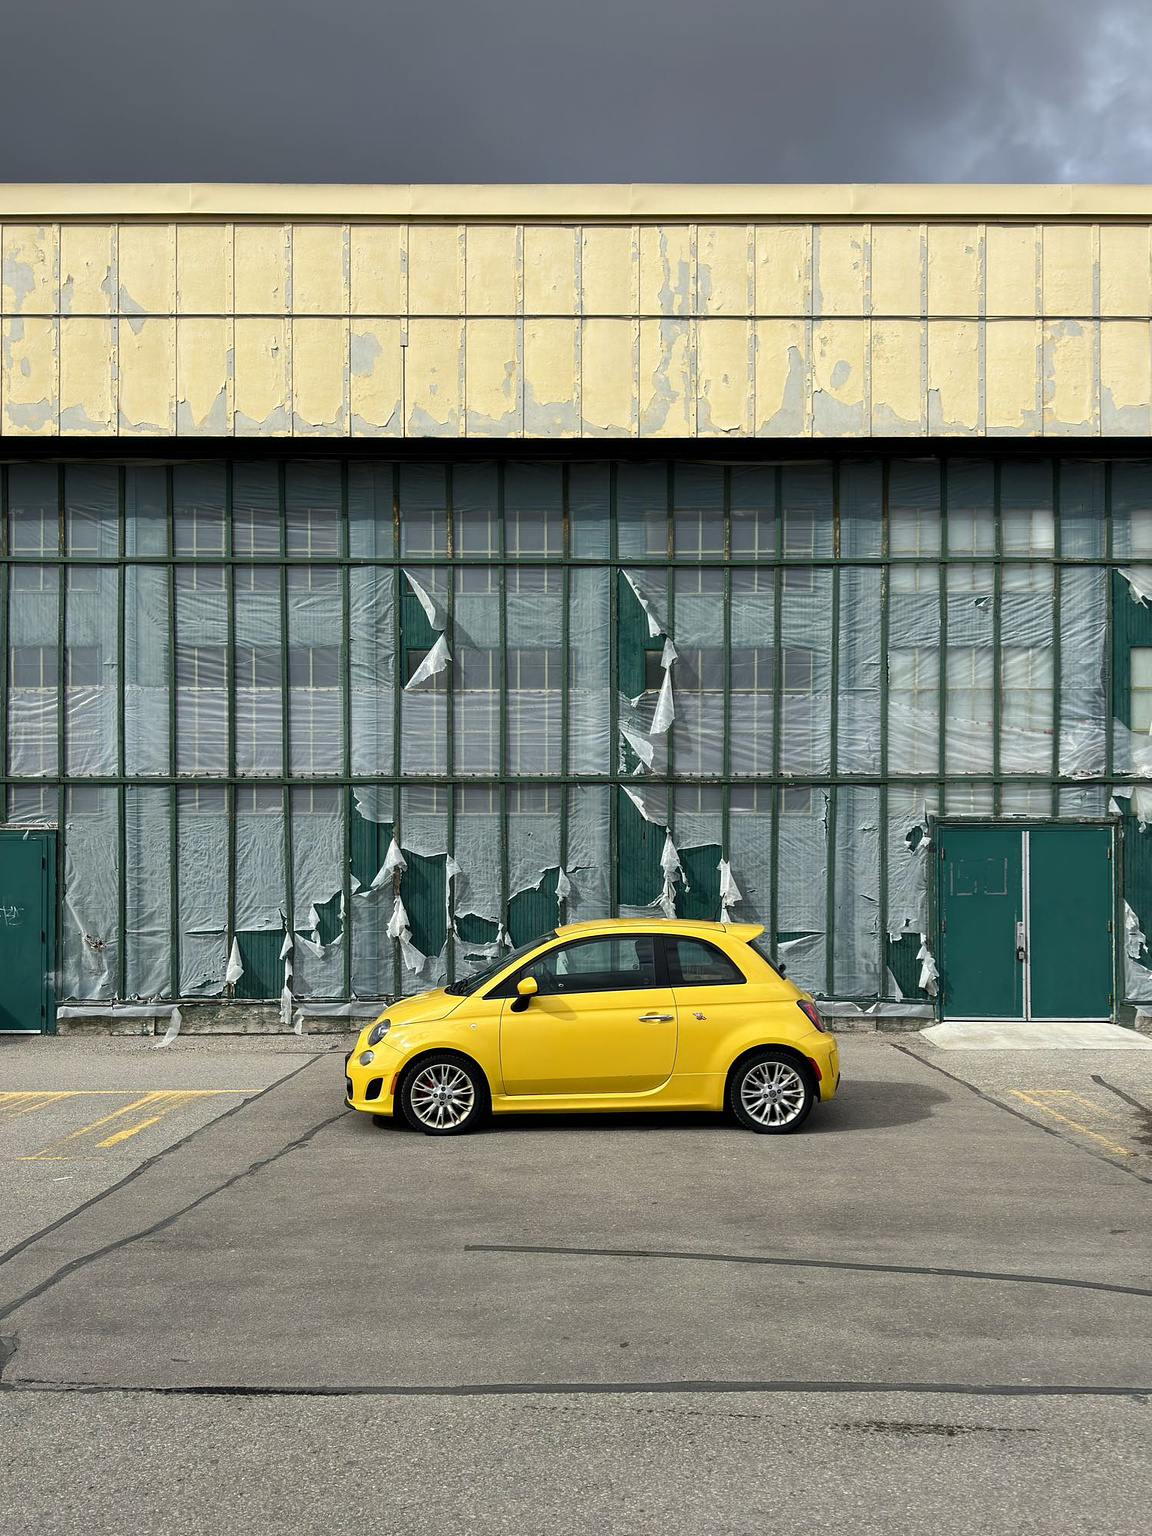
443,1095
770,1093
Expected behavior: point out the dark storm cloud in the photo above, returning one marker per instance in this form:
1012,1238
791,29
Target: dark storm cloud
600,90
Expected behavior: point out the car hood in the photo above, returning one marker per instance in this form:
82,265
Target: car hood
424,1008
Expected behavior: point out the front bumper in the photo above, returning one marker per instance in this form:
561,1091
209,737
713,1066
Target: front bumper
371,1088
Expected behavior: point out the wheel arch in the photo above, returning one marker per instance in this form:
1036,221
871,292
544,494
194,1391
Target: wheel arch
426,1053
804,1063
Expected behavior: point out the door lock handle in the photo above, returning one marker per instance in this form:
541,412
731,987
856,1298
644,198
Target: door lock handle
1021,947
655,1018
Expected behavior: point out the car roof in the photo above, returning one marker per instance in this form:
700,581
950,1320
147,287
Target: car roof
607,925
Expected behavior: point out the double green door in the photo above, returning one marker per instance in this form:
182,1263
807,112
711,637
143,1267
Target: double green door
1026,922
27,871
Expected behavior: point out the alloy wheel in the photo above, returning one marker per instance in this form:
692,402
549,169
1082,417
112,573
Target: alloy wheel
442,1095
772,1093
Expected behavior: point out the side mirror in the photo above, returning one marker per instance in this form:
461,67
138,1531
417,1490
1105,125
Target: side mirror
526,990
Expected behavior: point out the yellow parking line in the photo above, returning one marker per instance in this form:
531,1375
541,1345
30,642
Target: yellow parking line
1066,1095
13,1105
110,1141
77,1143
1075,1124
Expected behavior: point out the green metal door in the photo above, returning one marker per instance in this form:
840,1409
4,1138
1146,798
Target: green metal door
27,865
1070,945
981,904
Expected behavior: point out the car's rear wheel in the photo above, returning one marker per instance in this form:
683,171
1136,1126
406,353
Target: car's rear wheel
770,1093
443,1095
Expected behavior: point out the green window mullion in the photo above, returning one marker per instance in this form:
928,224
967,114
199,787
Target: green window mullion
61,696
397,698
173,792
613,694
502,760
997,595
450,714
885,583
1109,628
942,650
121,822
4,633
1054,576
565,641
670,604
726,728
230,700
777,690
285,695
346,708
833,751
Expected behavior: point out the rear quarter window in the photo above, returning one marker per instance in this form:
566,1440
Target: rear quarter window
695,963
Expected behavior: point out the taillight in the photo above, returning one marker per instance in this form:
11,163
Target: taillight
810,1009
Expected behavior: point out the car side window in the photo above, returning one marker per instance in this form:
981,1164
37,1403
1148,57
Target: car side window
622,964
693,963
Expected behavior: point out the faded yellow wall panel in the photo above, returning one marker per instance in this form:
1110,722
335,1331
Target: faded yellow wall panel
433,378
376,379
607,390
954,269
725,377
898,257
838,269
436,269
263,257
28,256
1011,364
783,269
320,377
550,253
783,379
203,377
492,379
667,395
953,377
1069,269
897,395
260,377
491,269
146,269
28,375
1068,362
1011,270
725,269
608,270
146,369
86,269
377,259
1125,377
204,261
86,403
319,269
838,392
551,378
667,270
1124,270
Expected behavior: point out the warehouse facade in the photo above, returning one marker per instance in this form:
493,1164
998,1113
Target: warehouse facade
773,554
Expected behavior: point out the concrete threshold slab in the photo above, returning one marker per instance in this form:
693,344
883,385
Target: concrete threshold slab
1044,1035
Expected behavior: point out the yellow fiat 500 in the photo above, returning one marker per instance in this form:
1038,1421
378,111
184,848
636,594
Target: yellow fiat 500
620,1014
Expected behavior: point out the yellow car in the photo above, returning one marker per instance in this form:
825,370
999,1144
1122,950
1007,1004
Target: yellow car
621,1014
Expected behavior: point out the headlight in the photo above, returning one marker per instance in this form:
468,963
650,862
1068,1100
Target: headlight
378,1031
366,1058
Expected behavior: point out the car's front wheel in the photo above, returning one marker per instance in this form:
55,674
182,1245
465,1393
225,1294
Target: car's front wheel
443,1095
770,1093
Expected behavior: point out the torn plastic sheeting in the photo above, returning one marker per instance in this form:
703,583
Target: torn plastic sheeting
889,1010
908,880
434,662
1137,977
929,975
1139,579
729,891
171,1032
400,929
394,861
673,874
354,1010
648,600
642,744
652,804
113,1010
433,611
235,967
665,711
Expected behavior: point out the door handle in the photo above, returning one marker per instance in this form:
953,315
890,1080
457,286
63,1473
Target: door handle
655,1018
1021,950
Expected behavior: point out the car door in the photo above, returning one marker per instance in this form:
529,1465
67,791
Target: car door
602,1021
711,997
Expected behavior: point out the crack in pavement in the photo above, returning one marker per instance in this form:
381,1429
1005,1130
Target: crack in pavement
793,1263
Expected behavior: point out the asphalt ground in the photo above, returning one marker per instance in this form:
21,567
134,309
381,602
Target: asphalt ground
928,1310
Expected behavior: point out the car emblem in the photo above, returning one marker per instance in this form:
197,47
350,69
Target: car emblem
697,1015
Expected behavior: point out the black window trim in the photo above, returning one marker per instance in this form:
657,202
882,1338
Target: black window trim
507,987
671,968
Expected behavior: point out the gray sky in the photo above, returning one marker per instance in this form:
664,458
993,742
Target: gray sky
599,90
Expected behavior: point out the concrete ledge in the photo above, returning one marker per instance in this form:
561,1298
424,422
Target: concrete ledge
211,1017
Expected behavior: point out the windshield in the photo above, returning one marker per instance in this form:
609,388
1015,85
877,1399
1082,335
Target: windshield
469,984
